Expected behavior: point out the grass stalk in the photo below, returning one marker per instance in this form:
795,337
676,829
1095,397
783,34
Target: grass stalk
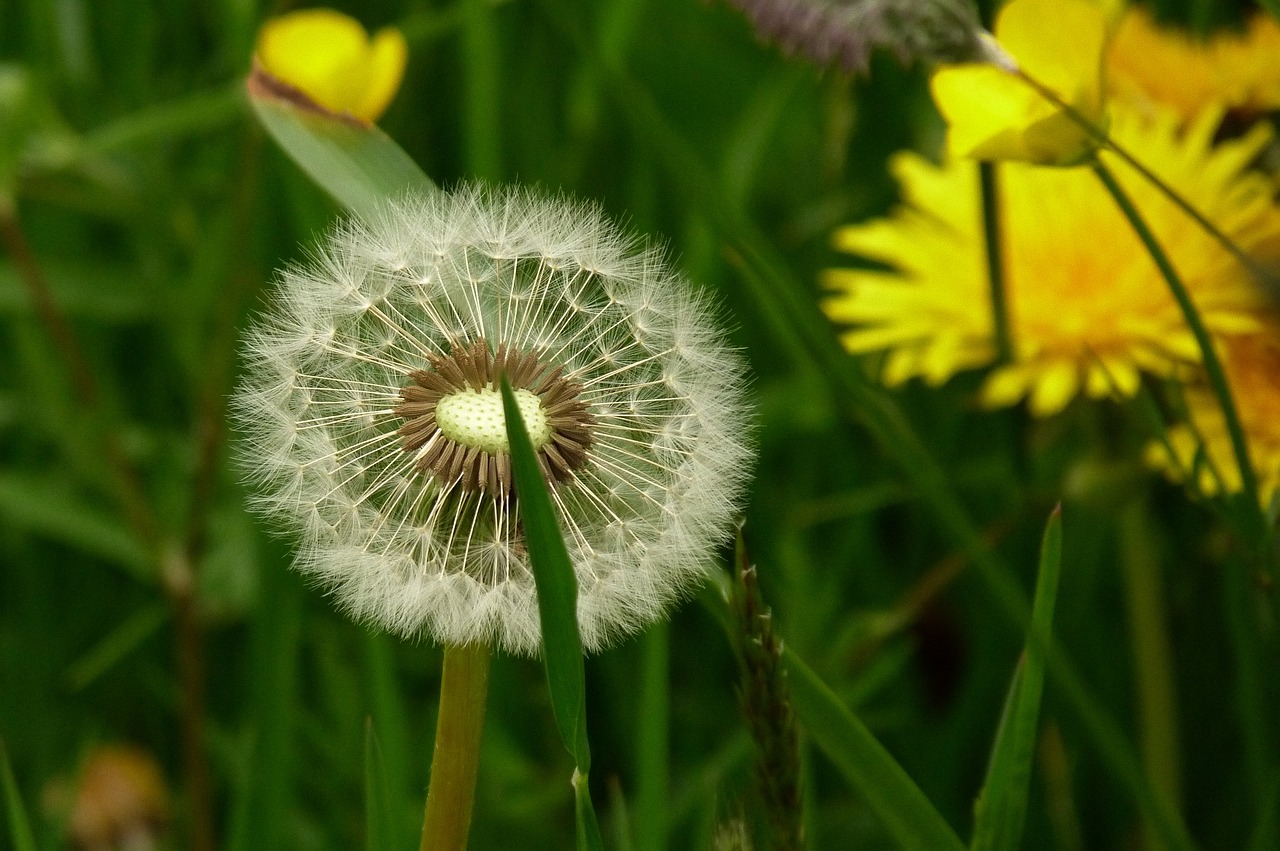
992,237
653,740
1212,364
1153,669
464,686
173,569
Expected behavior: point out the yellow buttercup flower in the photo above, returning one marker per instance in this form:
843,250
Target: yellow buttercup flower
330,58
1200,452
1088,309
993,114
1149,63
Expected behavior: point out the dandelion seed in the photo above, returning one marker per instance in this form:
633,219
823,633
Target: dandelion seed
375,425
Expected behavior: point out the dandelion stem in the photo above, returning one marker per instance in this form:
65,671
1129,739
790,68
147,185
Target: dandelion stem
995,261
1263,276
464,686
1212,364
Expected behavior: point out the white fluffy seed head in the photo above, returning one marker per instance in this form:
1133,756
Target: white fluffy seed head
669,453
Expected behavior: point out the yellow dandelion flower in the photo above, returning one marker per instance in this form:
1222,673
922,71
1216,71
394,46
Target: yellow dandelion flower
1147,63
1087,307
1201,451
992,114
329,57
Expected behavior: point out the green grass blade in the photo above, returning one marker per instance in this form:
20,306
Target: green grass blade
122,641
53,510
264,793
903,809
378,827
358,164
1266,830
389,714
1211,362
587,829
20,835
200,112
557,588
1001,810
653,741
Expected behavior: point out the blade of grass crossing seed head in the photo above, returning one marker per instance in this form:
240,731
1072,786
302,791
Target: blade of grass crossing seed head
356,163
378,829
1001,808
20,835
901,806
556,585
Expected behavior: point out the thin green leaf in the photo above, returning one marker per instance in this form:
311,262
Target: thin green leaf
117,645
653,740
1212,363
587,829
20,834
389,713
45,507
263,796
1001,810
378,828
358,164
557,588
1266,830
193,114
903,809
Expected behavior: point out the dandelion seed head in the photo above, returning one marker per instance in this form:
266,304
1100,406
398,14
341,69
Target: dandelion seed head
374,433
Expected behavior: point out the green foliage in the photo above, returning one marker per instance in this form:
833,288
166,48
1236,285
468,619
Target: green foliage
1001,808
896,531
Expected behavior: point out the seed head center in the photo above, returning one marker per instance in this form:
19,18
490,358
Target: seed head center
455,428
475,418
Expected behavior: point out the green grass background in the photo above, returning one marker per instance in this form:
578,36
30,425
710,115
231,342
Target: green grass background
158,210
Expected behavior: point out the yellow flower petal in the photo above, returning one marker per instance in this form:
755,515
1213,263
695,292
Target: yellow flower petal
1149,64
328,57
1056,385
1202,452
389,53
1088,310
992,114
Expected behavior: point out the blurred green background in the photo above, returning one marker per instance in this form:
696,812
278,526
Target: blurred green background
157,210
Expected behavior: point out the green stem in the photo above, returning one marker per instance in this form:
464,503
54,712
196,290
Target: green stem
1212,364
482,58
1152,658
463,688
653,740
1254,664
995,261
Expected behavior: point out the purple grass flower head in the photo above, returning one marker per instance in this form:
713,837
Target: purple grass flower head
845,33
